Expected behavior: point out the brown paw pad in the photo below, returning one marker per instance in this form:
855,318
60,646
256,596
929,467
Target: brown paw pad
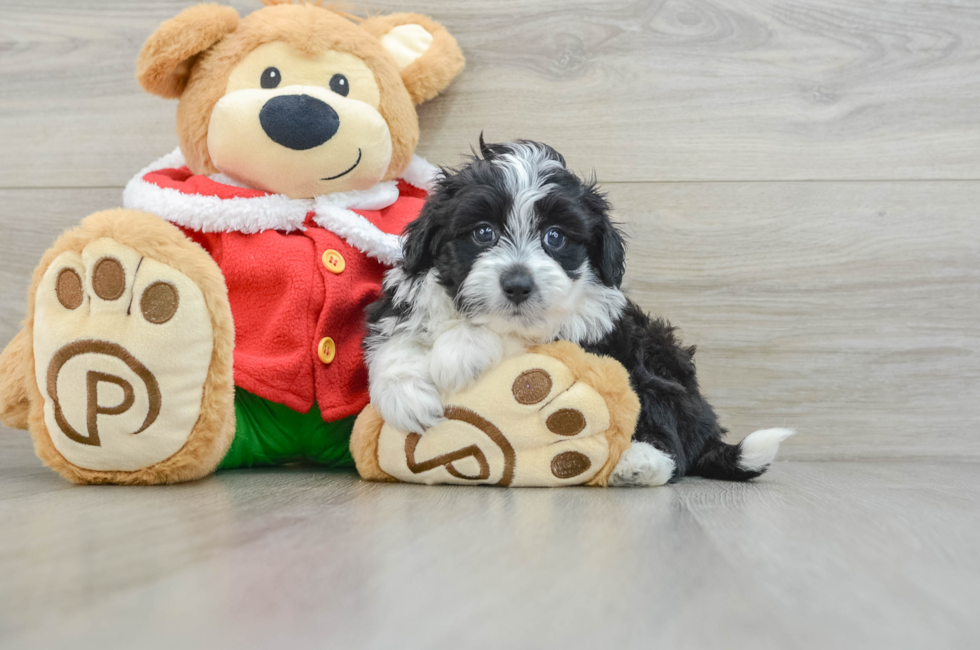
570,464
68,288
108,279
531,386
159,302
566,422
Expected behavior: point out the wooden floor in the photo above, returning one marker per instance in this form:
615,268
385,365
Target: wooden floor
801,183
814,555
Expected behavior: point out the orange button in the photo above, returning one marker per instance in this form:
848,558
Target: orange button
334,261
327,350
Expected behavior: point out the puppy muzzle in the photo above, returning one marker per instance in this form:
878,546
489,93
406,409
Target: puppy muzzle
517,283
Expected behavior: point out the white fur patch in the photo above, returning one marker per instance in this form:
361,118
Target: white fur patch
642,465
430,309
593,311
461,354
526,170
759,448
400,386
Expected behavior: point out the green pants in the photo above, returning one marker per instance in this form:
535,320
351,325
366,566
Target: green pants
267,433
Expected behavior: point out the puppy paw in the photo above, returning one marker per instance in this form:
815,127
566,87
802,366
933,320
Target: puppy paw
642,465
529,421
412,406
460,355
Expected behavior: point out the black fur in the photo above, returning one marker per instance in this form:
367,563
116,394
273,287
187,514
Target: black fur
674,416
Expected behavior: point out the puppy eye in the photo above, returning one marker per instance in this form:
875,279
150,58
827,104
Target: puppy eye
554,238
340,85
484,234
271,78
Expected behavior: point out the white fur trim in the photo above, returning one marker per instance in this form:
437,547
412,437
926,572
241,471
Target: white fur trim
227,180
360,233
376,198
210,213
642,465
421,173
759,448
276,211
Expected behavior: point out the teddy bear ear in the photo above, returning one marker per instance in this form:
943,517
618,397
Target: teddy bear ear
165,61
427,55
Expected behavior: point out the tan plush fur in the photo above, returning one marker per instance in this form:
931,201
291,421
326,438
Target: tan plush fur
610,379
311,29
428,75
15,365
165,61
606,375
212,435
364,445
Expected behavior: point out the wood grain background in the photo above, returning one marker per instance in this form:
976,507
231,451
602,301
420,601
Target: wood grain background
799,179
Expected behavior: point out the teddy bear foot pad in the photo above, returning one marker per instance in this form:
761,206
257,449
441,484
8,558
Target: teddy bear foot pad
116,335
128,353
529,422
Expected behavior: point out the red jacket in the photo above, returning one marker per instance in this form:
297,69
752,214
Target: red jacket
299,273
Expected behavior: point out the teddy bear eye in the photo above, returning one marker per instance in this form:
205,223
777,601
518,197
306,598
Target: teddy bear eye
340,85
271,78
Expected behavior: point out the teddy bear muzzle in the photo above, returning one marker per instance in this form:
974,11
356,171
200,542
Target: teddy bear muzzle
301,141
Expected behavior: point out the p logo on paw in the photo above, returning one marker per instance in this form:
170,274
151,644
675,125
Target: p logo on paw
122,348
534,420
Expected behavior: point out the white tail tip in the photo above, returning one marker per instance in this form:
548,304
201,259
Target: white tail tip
760,447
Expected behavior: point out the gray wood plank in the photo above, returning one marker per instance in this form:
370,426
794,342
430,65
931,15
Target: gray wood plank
846,310
814,555
713,90
30,221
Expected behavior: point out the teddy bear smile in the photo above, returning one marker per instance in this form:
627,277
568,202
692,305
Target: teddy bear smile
348,170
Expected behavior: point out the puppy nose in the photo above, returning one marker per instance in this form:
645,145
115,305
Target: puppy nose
298,121
518,285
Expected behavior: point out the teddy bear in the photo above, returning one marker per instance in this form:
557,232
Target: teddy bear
216,320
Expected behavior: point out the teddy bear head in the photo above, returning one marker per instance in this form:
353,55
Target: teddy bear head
298,99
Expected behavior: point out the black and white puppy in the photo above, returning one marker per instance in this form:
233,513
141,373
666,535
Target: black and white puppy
514,250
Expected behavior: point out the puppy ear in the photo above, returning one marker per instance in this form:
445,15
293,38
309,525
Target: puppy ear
612,263
166,59
608,251
427,55
422,240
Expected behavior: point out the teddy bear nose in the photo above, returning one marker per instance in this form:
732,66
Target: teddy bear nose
298,121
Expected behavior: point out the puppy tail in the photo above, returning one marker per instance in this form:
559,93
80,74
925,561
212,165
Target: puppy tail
741,462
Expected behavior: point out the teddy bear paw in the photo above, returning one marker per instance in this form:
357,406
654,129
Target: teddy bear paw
527,422
122,349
